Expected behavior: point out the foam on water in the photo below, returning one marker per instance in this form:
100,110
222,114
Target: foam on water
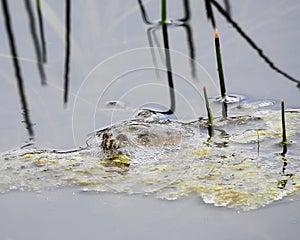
240,167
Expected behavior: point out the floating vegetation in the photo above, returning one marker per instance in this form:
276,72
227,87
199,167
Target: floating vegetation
240,167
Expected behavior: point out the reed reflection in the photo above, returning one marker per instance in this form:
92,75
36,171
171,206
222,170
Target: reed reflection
210,14
187,12
285,176
164,24
284,149
36,42
227,7
169,69
17,68
41,29
67,49
226,14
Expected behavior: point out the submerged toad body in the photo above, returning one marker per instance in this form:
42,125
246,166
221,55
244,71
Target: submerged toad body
137,134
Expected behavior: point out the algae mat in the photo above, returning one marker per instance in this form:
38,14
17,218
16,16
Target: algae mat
243,166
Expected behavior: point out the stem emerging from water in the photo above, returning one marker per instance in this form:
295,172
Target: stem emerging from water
220,68
163,11
284,139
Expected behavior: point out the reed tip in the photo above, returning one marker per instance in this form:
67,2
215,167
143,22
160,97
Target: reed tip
216,34
282,101
204,87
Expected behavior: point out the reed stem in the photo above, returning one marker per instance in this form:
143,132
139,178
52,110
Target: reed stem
209,114
284,139
220,67
163,11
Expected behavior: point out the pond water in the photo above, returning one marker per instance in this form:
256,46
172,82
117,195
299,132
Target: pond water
114,73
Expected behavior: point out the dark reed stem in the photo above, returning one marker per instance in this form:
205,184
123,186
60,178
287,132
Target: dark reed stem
209,13
220,67
224,109
67,50
227,7
163,11
144,13
150,32
187,12
14,55
284,139
36,43
209,114
190,42
258,142
252,43
284,149
169,69
41,27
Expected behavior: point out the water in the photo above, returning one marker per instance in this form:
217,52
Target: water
111,61
101,57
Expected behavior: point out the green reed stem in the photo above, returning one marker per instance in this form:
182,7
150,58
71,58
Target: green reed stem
163,11
209,114
220,67
284,139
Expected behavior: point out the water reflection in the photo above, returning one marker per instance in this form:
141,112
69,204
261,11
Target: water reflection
36,43
285,177
227,7
41,28
284,149
187,12
189,35
209,4
14,57
259,51
152,38
181,22
144,13
169,69
282,182
67,49
209,13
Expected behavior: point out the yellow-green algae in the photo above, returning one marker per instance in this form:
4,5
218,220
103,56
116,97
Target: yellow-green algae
241,167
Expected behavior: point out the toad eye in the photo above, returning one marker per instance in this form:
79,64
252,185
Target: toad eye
106,135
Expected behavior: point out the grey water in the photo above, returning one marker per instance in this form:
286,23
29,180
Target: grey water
111,61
